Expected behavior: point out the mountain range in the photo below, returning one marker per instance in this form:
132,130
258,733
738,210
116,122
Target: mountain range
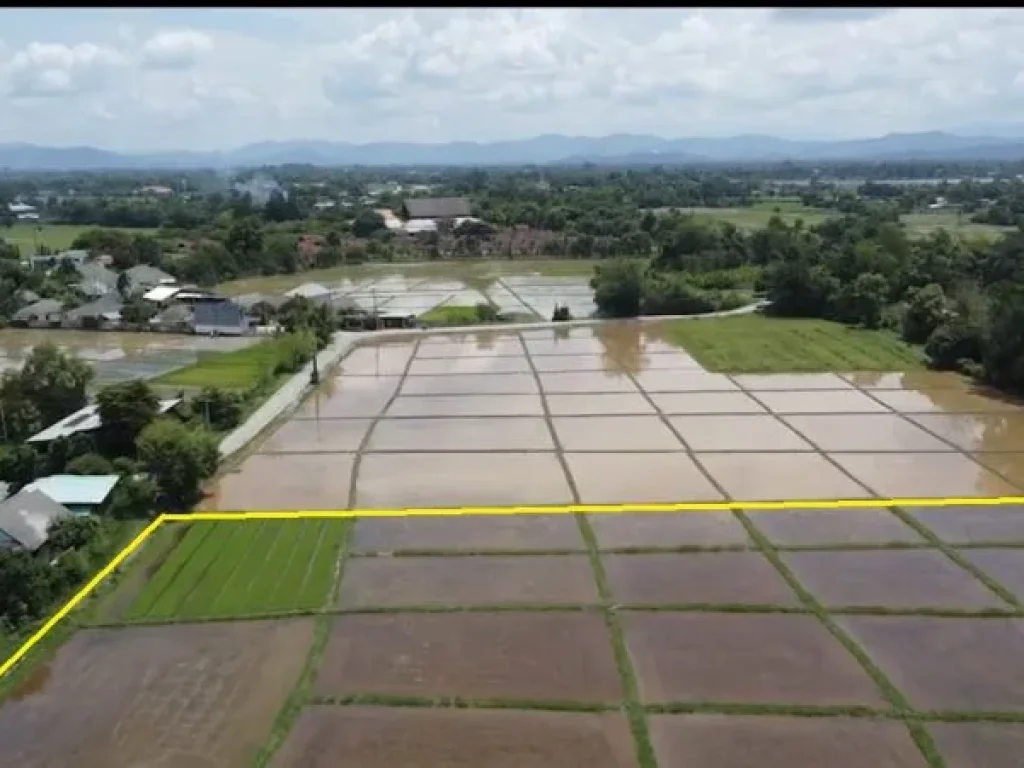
552,149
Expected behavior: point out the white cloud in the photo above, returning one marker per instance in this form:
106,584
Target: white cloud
42,69
174,49
220,79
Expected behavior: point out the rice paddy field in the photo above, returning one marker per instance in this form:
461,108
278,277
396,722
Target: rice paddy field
243,569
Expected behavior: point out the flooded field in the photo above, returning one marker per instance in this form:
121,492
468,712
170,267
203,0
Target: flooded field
877,636
418,290
615,415
116,356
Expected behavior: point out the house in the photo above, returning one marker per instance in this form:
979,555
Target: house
143,277
96,280
436,208
261,306
23,211
104,312
162,294
177,318
25,519
221,318
79,494
75,257
85,419
308,291
45,313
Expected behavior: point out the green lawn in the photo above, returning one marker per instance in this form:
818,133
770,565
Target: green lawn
918,224
58,237
757,344
245,568
238,369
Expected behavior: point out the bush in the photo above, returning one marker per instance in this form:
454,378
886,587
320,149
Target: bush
134,498
561,314
953,342
219,410
618,287
672,294
90,464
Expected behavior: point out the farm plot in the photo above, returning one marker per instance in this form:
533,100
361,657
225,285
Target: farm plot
248,568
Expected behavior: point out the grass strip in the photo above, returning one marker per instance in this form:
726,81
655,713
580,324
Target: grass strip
634,712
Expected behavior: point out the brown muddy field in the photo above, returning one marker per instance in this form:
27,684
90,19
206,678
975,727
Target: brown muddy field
383,737
518,656
174,696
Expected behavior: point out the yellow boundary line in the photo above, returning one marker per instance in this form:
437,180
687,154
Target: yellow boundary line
564,509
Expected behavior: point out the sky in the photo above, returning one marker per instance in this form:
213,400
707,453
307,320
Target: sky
211,79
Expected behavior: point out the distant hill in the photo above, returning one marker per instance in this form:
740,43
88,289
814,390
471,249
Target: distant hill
619,149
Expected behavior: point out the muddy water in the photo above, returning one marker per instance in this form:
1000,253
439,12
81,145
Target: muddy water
595,415
116,355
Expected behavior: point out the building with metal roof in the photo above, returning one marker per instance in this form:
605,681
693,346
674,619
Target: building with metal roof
221,318
308,291
436,208
80,494
44,313
104,312
84,420
142,277
25,519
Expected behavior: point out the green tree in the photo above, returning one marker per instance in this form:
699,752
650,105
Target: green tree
134,498
618,287
55,382
926,310
18,466
863,300
1004,342
71,532
125,409
137,311
798,289
179,460
219,409
367,223
300,313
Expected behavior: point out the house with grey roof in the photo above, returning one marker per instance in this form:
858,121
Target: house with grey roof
47,261
45,313
25,519
436,208
177,318
96,280
104,312
85,419
143,277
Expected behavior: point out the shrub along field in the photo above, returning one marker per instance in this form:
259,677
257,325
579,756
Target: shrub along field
757,344
229,569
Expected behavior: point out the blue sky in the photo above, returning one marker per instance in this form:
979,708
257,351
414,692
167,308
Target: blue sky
137,79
